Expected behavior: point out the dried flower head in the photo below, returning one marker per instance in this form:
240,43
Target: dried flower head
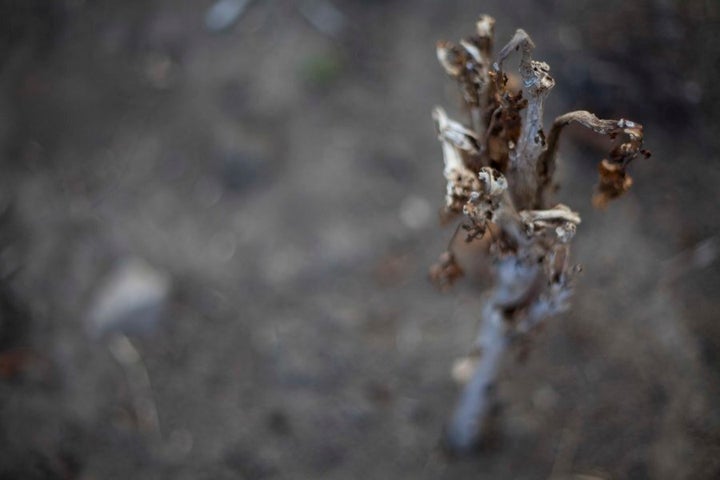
499,168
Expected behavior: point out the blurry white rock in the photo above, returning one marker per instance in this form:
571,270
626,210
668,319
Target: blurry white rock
324,16
415,212
130,300
224,13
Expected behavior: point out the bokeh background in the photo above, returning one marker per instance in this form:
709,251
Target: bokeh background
216,220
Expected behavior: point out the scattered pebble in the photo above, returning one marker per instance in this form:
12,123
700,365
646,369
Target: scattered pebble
224,13
130,301
324,16
415,212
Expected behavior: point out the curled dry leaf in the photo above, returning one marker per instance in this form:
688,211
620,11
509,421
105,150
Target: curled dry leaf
614,179
446,271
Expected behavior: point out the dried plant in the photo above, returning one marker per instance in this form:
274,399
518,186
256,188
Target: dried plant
499,169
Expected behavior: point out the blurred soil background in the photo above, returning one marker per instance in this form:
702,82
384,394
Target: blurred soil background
215,229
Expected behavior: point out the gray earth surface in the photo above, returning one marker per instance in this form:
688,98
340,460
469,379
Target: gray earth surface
215,231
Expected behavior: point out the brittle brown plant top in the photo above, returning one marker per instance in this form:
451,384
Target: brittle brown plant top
499,167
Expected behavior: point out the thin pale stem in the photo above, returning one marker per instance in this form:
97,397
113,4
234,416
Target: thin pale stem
476,398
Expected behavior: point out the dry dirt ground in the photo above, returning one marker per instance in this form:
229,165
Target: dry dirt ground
281,178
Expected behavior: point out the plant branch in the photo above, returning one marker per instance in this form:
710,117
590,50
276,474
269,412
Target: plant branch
499,172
